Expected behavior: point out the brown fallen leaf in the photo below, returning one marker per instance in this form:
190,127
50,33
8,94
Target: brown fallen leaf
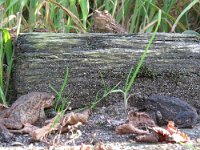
129,129
176,135
170,134
140,119
63,124
161,131
71,118
60,122
171,127
74,118
137,121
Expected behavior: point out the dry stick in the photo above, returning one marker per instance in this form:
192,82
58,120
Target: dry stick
123,13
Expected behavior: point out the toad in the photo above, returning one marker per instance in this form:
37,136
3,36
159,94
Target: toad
28,108
166,108
105,23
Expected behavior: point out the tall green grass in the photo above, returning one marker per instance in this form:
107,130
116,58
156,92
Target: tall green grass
6,54
75,16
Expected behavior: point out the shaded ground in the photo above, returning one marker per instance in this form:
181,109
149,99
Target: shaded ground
101,128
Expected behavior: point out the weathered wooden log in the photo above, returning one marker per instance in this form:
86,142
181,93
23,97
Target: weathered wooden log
172,65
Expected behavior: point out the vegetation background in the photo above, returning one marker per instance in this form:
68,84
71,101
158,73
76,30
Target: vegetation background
75,16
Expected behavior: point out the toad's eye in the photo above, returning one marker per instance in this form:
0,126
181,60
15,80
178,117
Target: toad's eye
105,12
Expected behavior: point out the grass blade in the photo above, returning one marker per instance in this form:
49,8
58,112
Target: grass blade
9,58
65,81
1,59
2,96
5,50
144,54
59,94
11,5
8,45
183,12
85,10
128,78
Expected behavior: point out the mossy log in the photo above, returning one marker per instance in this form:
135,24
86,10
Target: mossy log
172,65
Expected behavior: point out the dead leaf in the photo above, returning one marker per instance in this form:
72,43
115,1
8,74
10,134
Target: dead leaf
171,127
170,134
74,118
161,131
137,121
163,134
129,129
65,123
100,146
140,119
176,135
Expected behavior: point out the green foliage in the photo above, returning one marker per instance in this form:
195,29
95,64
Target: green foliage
6,53
84,4
59,98
59,94
74,15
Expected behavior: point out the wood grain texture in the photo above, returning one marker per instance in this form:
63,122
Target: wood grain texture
172,66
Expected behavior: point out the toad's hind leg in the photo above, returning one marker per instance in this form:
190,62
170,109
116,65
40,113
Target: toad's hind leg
6,135
186,120
12,124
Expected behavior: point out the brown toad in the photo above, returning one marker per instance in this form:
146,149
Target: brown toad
28,108
166,108
105,23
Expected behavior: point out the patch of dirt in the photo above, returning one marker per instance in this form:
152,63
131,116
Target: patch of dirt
101,128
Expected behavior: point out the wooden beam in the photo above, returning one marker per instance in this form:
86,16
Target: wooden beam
172,66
